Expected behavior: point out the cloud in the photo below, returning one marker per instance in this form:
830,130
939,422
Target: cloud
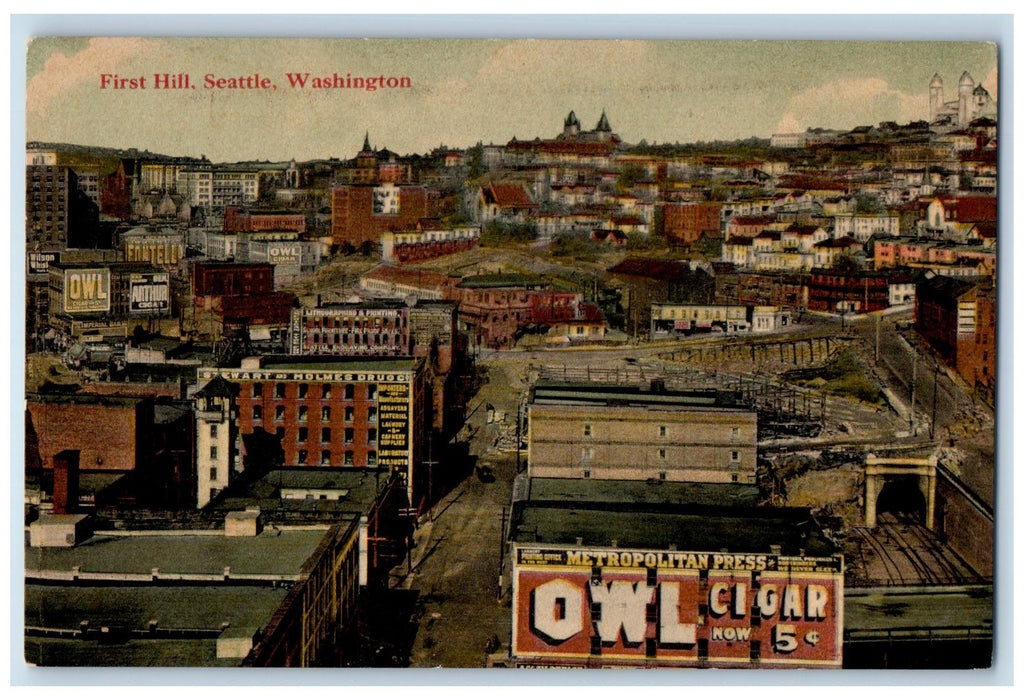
62,74
849,103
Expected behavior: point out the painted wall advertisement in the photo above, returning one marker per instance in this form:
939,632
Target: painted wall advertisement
393,426
668,608
86,290
150,293
39,262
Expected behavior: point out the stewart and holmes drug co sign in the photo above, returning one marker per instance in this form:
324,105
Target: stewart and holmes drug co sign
615,607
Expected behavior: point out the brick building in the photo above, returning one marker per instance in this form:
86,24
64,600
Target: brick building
429,241
958,319
111,433
345,412
226,294
839,292
644,281
237,220
685,222
361,213
615,432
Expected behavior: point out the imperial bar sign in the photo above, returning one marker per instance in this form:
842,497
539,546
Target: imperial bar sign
667,608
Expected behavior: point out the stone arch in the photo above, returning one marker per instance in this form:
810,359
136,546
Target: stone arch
903,495
899,485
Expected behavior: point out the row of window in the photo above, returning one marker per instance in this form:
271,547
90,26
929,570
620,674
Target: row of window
325,414
348,392
587,454
588,431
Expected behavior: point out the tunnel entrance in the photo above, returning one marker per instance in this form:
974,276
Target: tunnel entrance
902,496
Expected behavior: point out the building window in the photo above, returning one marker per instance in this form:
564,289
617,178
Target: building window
213,431
588,453
213,452
735,456
735,478
348,458
213,473
325,458
257,412
279,390
587,432
662,454
662,475
302,456
371,459
279,413
257,390
371,415
303,434
303,388
349,434
349,413
371,392
662,431
325,435
303,414
325,414
350,391
586,473
371,436
325,391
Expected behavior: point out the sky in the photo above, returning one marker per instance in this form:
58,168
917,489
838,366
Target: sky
465,91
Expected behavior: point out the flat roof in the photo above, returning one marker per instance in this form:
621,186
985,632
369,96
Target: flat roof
950,610
592,394
278,552
265,492
662,526
632,491
313,362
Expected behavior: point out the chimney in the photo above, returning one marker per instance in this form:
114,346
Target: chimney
65,482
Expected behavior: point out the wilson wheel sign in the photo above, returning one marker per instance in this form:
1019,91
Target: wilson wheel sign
618,607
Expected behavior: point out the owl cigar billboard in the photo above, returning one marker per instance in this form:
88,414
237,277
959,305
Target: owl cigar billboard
667,608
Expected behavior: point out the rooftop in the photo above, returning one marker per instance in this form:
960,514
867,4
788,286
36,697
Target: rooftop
593,394
684,527
631,491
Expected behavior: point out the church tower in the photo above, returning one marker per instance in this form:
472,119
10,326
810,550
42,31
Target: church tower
604,128
572,126
934,98
965,96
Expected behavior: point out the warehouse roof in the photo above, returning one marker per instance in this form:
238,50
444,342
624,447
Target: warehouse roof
593,394
786,531
632,491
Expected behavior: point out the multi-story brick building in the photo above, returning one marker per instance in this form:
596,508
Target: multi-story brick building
58,214
426,243
226,293
685,222
842,292
361,213
614,432
345,412
958,318
111,433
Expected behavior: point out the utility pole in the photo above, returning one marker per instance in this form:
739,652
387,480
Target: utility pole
878,332
913,391
935,398
501,551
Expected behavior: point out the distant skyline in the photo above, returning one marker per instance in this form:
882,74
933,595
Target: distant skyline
464,91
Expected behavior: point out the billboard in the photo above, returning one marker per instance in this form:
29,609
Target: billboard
157,250
670,608
284,252
393,424
86,290
39,262
149,293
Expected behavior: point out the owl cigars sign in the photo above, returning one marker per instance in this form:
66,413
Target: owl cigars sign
673,616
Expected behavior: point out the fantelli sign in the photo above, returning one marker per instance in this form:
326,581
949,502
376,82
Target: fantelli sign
760,613
86,291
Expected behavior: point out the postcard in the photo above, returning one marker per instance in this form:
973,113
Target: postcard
510,353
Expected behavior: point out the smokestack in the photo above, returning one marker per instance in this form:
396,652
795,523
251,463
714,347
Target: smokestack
65,482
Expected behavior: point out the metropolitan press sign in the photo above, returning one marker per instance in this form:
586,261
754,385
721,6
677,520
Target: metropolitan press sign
668,608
